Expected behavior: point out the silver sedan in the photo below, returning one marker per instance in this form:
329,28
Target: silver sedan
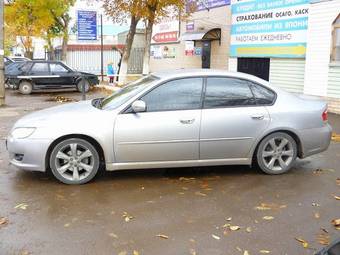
173,119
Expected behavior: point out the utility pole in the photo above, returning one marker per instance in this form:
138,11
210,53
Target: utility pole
101,47
2,66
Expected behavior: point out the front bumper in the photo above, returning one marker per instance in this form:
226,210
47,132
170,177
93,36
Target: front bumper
33,153
315,140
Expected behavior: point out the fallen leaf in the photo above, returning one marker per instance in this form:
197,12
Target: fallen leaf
335,137
246,252
163,236
272,206
268,217
113,235
135,252
248,229
264,251
3,221
200,194
186,179
21,206
234,228
228,219
324,230
238,248
127,217
336,197
66,225
323,239
216,237
316,215
193,252
315,204
303,242
336,223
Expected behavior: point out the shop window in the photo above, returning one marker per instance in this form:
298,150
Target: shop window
336,40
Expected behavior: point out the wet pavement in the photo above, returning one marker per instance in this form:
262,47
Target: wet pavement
166,211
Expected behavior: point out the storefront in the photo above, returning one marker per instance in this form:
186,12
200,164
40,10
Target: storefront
322,73
269,40
202,41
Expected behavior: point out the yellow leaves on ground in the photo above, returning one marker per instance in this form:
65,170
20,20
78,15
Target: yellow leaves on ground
234,228
216,237
335,137
272,206
3,221
162,236
336,223
21,206
268,217
127,217
264,252
303,242
336,197
323,239
61,99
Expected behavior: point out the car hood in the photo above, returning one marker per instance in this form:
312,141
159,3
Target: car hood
65,114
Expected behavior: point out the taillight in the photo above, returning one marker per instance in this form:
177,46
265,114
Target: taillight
325,116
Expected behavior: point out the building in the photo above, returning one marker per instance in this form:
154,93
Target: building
200,41
322,70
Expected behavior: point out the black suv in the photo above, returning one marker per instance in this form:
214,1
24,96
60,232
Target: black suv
32,75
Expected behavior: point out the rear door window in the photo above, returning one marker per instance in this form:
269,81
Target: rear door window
227,92
39,69
58,68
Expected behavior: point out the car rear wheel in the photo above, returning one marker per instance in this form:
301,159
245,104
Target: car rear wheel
86,85
74,161
25,87
276,153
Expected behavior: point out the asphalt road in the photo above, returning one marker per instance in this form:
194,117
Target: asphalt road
166,211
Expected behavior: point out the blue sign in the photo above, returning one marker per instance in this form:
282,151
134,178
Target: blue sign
87,25
201,5
269,28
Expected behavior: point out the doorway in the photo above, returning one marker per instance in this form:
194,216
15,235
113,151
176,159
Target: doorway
255,66
206,53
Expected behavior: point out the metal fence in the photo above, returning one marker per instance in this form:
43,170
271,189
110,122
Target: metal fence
135,65
90,60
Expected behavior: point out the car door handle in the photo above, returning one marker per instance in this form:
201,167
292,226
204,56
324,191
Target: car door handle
257,116
187,121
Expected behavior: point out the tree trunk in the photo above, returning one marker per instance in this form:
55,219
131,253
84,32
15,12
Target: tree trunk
50,48
64,45
146,59
127,50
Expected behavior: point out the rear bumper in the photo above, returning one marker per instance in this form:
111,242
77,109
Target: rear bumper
33,153
315,140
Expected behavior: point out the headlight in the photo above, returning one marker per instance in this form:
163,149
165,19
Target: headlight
23,132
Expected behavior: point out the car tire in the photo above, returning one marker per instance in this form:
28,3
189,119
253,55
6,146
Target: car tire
25,87
276,153
74,161
80,84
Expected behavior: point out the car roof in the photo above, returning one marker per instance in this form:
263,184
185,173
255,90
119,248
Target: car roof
181,73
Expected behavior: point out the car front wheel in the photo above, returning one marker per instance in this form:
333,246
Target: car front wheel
84,83
25,87
276,153
74,161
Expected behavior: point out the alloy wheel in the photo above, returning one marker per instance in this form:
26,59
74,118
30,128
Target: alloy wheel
277,153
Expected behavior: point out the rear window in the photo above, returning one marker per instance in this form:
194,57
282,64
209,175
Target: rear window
263,96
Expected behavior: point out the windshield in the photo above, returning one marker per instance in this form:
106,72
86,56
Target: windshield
124,94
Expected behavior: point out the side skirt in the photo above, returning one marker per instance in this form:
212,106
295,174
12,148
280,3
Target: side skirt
181,163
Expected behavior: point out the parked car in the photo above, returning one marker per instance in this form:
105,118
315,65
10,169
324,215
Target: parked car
178,118
8,61
32,75
19,58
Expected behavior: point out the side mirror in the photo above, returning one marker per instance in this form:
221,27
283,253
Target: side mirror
138,106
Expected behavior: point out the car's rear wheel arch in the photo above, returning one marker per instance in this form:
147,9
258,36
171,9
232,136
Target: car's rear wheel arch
288,132
87,138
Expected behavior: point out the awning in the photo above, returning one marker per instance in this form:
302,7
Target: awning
207,35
